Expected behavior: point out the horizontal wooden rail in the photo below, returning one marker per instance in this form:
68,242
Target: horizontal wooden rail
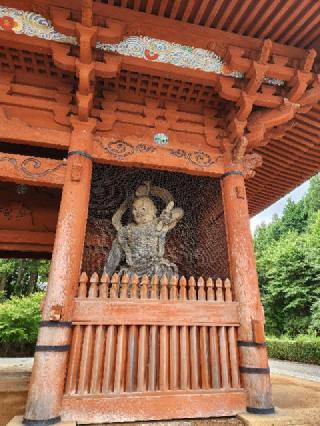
32,170
33,241
157,406
155,312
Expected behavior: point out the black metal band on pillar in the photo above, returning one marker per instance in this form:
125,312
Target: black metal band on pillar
52,348
254,410
82,153
254,370
66,324
51,421
250,344
233,172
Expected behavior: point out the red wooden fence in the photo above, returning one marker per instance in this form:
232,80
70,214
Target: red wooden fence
153,350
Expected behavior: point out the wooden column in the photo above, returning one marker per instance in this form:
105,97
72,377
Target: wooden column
48,374
252,349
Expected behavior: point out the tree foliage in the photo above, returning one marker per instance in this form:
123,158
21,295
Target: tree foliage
19,318
288,263
22,276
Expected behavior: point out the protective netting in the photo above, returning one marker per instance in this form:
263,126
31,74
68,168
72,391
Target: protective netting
197,245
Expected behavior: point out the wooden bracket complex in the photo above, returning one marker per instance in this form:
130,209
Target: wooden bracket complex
249,130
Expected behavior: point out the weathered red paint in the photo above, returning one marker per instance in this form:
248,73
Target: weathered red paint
246,289
49,367
212,121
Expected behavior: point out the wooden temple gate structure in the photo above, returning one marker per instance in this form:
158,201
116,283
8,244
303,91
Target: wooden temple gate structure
203,88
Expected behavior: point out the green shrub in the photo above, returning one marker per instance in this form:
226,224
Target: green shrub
301,349
19,319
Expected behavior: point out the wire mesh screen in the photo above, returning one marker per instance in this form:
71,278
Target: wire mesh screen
197,245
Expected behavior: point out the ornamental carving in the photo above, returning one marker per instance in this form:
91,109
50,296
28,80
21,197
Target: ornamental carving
31,166
121,149
250,163
199,158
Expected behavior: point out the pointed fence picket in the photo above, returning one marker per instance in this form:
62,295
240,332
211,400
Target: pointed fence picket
162,288
138,336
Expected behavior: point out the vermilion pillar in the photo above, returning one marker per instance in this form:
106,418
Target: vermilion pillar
48,374
254,368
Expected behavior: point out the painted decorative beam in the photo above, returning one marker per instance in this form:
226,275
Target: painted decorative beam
32,170
174,157
156,26
143,47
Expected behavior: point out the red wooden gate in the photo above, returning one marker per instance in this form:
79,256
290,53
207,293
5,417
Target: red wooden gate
159,350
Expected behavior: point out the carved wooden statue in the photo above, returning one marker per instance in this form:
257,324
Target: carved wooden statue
139,246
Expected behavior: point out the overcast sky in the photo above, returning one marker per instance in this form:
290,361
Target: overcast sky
277,208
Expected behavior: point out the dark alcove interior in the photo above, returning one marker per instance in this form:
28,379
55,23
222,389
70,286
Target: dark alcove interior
197,245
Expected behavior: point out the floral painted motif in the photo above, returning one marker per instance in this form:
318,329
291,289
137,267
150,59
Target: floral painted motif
31,24
144,47
7,23
151,55
163,51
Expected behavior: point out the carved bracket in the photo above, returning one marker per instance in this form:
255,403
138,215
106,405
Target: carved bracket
260,121
250,163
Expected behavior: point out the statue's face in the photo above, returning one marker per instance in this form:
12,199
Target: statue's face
143,210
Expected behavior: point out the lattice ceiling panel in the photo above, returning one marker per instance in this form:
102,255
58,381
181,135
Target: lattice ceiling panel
32,63
145,85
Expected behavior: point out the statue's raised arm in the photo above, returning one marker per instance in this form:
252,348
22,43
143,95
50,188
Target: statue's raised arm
170,216
117,217
117,252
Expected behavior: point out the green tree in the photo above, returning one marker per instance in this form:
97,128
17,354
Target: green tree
294,218
288,264
21,276
312,198
19,318
291,270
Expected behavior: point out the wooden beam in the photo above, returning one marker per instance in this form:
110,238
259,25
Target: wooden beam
21,41
15,130
146,406
129,153
150,312
26,241
32,170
